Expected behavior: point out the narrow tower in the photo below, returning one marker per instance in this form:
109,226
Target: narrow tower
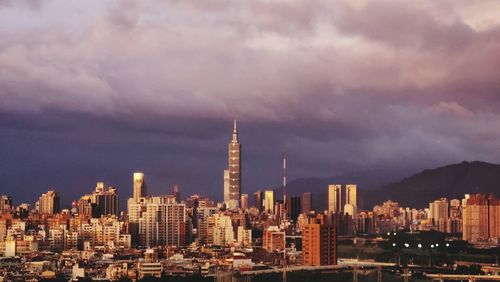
284,186
234,169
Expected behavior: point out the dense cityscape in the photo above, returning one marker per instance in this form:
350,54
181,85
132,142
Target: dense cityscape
249,140
173,236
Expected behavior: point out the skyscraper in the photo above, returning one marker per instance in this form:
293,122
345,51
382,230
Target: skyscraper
234,169
351,204
244,201
139,186
335,199
306,202
293,207
269,201
351,195
177,193
258,198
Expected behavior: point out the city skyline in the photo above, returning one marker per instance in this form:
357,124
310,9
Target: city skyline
94,91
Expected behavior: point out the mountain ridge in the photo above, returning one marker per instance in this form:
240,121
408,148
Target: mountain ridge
416,190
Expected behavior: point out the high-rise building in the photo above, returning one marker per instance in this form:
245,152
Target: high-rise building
351,195
48,203
335,200
234,169
160,220
227,194
481,217
258,200
139,186
177,193
293,207
319,241
223,233
306,202
5,204
269,201
244,201
107,201
439,209
100,202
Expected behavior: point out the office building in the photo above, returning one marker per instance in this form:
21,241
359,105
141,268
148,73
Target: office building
244,201
294,207
234,170
335,200
269,201
306,202
258,200
139,186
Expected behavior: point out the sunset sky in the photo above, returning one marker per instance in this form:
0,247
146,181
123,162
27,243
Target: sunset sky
94,90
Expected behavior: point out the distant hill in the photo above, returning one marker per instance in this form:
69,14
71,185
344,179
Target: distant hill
366,180
451,181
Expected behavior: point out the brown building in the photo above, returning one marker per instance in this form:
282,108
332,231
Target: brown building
481,217
273,239
319,243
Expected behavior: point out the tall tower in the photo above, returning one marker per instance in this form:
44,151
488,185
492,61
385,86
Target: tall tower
335,199
139,186
284,187
234,168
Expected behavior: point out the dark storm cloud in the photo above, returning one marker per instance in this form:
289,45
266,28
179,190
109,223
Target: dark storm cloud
97,89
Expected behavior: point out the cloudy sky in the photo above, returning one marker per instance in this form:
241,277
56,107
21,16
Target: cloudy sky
94,90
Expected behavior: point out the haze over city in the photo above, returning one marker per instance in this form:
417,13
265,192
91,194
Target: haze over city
95,90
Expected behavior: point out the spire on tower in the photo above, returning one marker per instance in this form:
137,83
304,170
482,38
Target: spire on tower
235,132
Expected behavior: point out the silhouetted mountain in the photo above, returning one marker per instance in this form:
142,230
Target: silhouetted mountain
366,180
451,181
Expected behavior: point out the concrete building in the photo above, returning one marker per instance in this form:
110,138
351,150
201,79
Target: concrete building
273,239
48,203
319,242
244,201
306,202
481,218
160,220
